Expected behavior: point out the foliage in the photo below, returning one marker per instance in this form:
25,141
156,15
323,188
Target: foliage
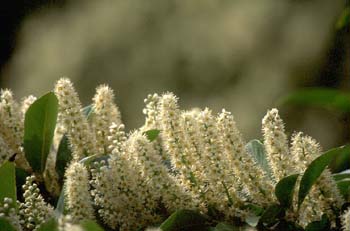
39,127
320,97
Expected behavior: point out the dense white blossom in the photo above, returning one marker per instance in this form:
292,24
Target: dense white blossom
79,201
199,161
71,116
345,220
276,145
34,211
104,114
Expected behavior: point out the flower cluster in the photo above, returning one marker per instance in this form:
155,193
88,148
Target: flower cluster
12,128
197,160
34,210
8,210
71,116
105,112
77,192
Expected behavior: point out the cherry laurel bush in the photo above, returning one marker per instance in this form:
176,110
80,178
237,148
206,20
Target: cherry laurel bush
179,162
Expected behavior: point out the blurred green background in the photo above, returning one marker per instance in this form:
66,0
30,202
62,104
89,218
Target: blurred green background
245,56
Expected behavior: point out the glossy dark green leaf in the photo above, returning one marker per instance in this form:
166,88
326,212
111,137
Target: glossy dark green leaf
6,225
284,225
185,220
341,176
344,188
60,207
39,126
285,189
253,217
320,97
257,150
257,210
8,181
89,225
64,156
323,225
342,161
93,158
49,225
152,134
272,215
225,227
314,170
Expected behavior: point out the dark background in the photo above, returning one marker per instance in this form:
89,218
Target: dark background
12,14
333,70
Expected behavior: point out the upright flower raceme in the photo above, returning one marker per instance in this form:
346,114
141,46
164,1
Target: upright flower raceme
259,187
306,149
34,211
11,122
8,211
218,170
71,116
173,137
79,201
118,189
26,103
5,151
12,127
151,111
152,122
276,145
104,113
193,148
162,185
303,150
345,220
106,194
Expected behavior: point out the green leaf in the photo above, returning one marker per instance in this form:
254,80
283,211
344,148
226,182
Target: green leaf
89,225
253,217
320,97
323,225
8,181
257,150
257,210
342,161
252,220
226,227
272,215
152,134
288,226
60,207
5,224
314,170
93,158
88,110
285,189
39,126
344,19
344,188
49,225
341,176
64,156
185,220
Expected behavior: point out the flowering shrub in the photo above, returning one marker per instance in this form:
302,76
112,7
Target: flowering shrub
182,170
